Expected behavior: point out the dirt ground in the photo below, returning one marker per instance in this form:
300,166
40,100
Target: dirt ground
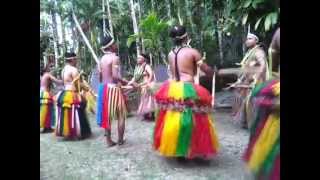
90,159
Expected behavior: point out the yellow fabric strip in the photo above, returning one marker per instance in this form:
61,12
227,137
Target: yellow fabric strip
265,142
65,123
276,88
213,134
170,133
176,90
43,114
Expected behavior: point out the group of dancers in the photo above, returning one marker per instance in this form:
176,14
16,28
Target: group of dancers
182,109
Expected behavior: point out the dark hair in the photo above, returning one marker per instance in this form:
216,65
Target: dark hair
146,57
177,31
69,55
106,40
44,69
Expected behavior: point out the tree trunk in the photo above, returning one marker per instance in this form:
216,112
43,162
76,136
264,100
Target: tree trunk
197,20
168,2
85,39
140,17
135,25
179,13
103,18
64,43
152,5
163,58
220,46
189,15
55,36
216,11
151,60
243,39
109,18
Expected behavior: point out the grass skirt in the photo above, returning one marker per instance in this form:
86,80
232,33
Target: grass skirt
72,119
263,153
147,102
47,110
184,125
110,103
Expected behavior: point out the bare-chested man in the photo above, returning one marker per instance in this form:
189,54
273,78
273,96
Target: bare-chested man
254,70
72,119
47,106
111,102
184,126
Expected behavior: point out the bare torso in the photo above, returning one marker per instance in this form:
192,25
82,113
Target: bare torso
45,82
69,73
109,68
186,60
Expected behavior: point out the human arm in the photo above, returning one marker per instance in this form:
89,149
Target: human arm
116,71
275,50
55,80
200,63
150,77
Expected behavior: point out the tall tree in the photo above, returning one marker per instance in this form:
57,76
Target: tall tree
217,8
135,25
140,17
109,18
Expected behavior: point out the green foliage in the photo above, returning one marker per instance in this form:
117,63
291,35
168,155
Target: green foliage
255,12
203,20
152,30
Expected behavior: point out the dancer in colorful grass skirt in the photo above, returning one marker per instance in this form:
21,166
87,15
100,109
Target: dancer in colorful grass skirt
111,101
263,153
184,125
47,105
47,111
72,121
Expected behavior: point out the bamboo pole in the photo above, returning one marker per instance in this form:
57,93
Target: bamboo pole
86,41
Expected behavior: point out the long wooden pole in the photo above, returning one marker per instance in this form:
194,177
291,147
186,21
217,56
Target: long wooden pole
86,41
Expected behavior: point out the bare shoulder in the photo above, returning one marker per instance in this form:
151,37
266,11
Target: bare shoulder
116,59
45,75
260,51
73,69
148,67
195,53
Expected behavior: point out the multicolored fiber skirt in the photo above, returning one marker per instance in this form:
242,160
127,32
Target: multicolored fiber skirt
111,103
184,125
263,153
47,110
72,121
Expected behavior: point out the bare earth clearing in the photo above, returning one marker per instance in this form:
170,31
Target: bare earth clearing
91,159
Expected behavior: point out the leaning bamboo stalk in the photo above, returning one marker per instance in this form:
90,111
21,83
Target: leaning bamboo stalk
86,41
